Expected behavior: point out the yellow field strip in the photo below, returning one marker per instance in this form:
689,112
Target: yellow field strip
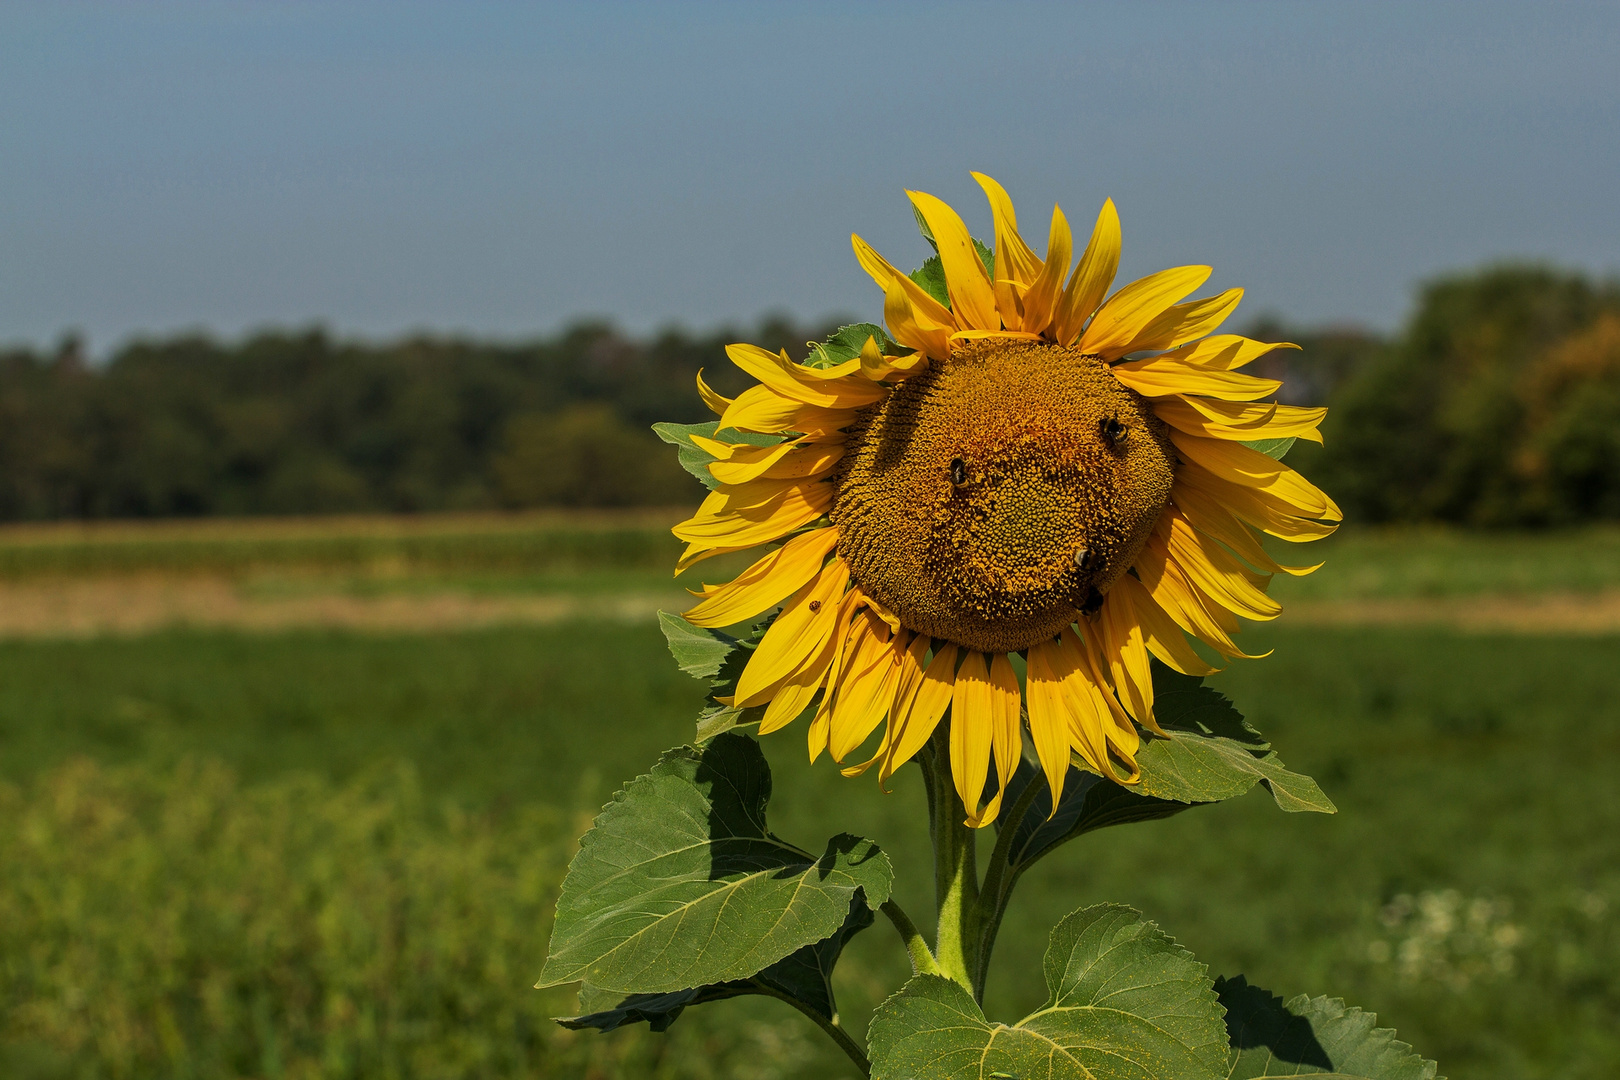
139,604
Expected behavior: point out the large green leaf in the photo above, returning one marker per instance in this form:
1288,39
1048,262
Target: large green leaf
1306,1036
804,978
1212,754
696,460
679,883
1123,1001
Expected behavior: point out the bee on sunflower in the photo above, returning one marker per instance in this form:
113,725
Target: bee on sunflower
1032,468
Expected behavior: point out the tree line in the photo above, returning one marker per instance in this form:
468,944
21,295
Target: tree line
1498,403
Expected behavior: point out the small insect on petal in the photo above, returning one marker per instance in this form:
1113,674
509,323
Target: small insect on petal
958,472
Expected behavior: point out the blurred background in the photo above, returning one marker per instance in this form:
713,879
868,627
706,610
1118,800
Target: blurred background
330,338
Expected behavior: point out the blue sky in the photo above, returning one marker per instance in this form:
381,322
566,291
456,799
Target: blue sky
503,168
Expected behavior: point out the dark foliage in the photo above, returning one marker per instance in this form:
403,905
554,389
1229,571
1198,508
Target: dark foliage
305,423
1499,404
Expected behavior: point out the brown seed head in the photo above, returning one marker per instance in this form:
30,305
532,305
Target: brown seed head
992,499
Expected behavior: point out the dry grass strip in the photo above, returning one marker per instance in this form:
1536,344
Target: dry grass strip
1549,613
91,607
140,604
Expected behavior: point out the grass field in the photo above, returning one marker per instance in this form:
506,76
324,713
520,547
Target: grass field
316,851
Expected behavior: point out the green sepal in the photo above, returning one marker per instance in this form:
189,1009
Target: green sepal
1273,448
696,460
1306,1036
1123,1000
846,344
931,274
698,650
931,277
680,884
804,978
720,658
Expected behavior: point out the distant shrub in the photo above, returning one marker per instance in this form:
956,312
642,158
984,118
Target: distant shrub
586,456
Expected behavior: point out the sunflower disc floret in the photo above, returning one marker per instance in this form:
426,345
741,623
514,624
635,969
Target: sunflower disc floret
994,498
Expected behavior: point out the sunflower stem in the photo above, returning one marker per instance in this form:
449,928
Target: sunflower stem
956,870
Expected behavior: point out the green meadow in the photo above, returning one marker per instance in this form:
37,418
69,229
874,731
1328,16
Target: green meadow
322,853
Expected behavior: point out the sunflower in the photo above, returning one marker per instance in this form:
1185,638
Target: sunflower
1027,468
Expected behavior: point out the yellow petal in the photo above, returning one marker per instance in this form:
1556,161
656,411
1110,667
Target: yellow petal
786,511
1120,734
1241,465
1006,734
1041,301
1048,718
716,404
1256,506
910,329
847,638
695,553
920,714
867,692
762,409
1158,377
1228,352
1182,600
1016,264
1131,310
808,386
767,583
1211,518
1125,650
971,703
1163,637
1091,278
973,298
1184,322
916,320
1089,715
795,459
791,696
1216,573
905,688
806,620
1214,419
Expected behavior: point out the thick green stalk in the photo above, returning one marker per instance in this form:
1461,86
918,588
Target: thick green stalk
956,870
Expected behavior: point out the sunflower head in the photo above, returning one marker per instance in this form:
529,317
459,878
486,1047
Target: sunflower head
1028,465
995,497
